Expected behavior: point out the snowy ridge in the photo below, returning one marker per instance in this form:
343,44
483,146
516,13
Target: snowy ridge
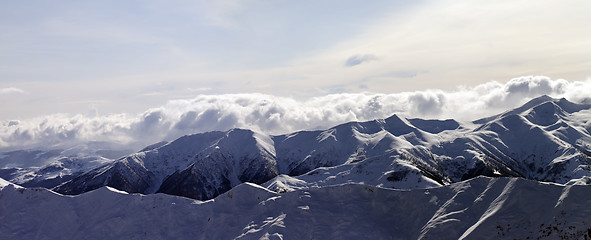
4,183
480,208
49,168
546,140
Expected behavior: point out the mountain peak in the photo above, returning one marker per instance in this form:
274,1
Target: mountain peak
571,107
397,125
541,99
550,104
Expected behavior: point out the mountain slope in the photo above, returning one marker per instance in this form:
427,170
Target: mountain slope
53,169
211,162
480,208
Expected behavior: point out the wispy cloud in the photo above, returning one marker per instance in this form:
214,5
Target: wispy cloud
10,90
202,89
359,59
276,115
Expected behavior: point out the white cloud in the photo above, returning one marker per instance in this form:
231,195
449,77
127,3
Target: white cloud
11,90
276,115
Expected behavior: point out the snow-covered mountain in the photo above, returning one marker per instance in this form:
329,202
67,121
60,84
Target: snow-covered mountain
199,166
480,208
522,174
546,140
49,167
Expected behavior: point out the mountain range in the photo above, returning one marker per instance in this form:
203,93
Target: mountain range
545,140
395,178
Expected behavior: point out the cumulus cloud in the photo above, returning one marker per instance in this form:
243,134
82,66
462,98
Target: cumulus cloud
10,90
359,59
277,115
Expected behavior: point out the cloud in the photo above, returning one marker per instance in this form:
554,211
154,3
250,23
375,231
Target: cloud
277,115
359,59
202,89
404,74
10,90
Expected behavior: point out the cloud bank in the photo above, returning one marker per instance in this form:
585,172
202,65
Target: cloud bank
277,115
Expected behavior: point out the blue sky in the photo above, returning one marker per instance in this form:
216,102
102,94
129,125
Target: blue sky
102,57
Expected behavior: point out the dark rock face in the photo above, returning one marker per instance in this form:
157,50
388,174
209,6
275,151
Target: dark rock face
434,126
397,176
192,184
213,175
480,169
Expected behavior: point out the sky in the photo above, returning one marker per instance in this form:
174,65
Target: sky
104,70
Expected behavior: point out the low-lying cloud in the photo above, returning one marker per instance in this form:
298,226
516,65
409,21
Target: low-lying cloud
277,115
